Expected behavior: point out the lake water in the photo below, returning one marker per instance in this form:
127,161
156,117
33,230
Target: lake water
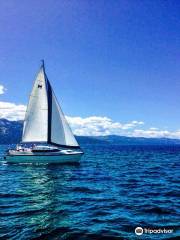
112,191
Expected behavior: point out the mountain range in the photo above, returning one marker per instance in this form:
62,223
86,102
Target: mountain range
11,132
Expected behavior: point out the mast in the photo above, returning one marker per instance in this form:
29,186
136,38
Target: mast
49,101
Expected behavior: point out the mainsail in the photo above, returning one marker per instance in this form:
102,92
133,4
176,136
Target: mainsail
44,119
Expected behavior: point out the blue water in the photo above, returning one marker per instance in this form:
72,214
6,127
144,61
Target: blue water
112,191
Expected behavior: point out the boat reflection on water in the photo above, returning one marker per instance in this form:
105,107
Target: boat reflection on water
44,195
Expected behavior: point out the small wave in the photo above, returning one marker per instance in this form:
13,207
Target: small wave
86,190
157,210
68,234
101,213
12,195
26,213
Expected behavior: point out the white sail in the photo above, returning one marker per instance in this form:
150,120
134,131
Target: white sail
36,119
44,120
60,131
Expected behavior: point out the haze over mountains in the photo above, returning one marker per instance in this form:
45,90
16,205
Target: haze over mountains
11,131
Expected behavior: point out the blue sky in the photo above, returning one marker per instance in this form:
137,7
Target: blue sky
112,59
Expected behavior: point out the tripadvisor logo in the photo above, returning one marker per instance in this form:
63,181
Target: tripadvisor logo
139,231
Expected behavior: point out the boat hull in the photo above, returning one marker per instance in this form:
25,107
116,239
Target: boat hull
43,158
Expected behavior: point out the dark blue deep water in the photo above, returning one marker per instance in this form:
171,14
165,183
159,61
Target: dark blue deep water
112,191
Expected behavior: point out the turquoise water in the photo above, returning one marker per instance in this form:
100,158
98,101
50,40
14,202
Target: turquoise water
112,191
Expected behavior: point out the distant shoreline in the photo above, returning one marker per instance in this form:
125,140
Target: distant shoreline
11,131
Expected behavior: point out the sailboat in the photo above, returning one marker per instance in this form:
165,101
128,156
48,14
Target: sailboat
47,136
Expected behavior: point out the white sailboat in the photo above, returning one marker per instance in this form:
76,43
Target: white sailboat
46,136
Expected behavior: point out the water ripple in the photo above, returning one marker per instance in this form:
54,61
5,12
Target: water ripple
112,191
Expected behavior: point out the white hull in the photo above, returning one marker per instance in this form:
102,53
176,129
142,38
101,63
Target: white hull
44,158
